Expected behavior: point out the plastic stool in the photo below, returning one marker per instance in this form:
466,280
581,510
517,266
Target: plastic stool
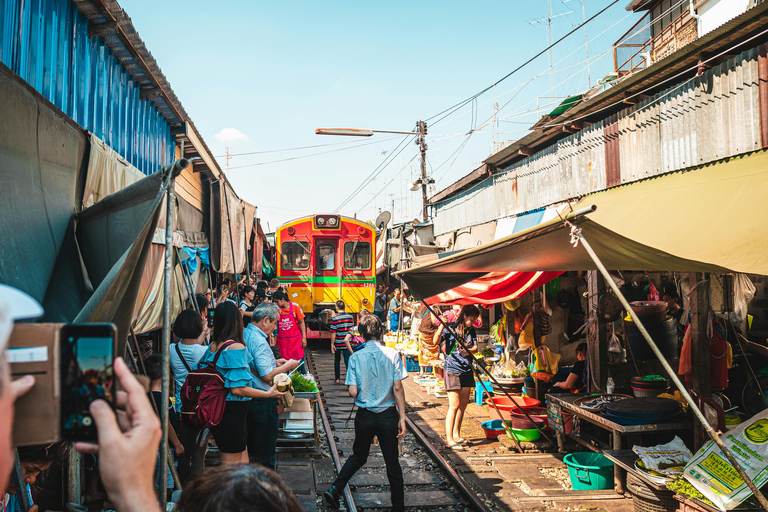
479,387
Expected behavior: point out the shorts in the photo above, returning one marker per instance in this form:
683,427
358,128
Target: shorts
231,434
454,381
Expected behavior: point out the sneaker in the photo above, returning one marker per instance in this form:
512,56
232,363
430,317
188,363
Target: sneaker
331,497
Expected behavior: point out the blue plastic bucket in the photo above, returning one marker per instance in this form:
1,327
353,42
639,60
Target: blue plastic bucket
589,471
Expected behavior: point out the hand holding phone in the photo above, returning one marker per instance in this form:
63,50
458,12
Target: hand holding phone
128,444
87,354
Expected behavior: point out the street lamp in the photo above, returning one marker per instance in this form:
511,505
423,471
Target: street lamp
421,133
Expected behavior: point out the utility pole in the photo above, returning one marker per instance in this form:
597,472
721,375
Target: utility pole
421,140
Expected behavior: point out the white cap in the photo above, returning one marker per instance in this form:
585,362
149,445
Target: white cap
15,305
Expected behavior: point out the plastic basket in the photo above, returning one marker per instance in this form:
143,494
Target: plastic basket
411,365
589,471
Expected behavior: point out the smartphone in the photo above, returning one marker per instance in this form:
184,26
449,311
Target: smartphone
87,355
209,317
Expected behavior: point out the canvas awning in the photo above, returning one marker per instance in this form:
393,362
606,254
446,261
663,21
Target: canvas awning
705,220
494,288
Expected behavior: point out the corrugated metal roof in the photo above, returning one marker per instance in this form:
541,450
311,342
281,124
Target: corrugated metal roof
705,119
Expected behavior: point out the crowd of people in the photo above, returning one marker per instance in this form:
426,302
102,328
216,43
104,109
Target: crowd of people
249,332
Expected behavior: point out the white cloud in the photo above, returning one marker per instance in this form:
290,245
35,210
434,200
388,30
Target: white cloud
230,135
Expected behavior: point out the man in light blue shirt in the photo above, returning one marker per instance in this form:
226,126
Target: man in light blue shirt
374,377
262,412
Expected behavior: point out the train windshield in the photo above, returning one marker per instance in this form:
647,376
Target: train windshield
326,255
357,256
295,255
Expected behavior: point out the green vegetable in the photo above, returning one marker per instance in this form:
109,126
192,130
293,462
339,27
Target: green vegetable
488,352
682,486
303,384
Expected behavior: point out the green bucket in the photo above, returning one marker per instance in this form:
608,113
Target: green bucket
589,471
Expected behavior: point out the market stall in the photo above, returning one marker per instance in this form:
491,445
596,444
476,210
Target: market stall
714,238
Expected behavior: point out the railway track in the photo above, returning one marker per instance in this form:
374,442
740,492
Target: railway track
430,482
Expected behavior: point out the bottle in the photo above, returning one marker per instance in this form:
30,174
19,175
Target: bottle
609,386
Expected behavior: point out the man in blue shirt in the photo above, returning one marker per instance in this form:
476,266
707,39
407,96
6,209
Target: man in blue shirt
262,412
374,378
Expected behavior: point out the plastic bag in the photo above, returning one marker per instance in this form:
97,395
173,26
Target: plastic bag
686,363
614,350
669,458
713,474
743,292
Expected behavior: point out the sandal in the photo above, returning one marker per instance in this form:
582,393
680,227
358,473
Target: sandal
336,381
455,446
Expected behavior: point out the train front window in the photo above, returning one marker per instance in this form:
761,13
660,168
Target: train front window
326,256
295,255
357,256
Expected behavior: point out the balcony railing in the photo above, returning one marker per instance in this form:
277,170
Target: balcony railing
638,49
631,51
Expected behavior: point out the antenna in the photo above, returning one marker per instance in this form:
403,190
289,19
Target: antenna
495,143
227,156
549,19
586,43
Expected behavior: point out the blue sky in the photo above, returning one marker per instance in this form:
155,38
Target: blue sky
264,75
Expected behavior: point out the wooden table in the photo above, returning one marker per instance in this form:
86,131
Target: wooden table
566,404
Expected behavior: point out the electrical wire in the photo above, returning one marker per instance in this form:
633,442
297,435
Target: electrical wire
308,156
451,109
383,165
290,149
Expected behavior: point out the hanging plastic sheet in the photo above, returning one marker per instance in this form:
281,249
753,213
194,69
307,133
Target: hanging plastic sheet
204,253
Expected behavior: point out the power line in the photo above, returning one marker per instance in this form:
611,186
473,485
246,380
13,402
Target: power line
383,165
311,155
521,66
292,149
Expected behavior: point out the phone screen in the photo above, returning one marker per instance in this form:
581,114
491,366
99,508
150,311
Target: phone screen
210,317
88,351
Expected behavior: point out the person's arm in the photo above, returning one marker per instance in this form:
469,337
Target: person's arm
174,439
333,342
303,329
348,344
256,393
438,337
286,367
127,446
400,400
352,390
568,383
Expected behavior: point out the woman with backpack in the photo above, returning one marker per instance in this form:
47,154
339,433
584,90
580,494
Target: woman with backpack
185,354
231,360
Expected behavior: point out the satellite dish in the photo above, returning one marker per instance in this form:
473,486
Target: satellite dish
382,220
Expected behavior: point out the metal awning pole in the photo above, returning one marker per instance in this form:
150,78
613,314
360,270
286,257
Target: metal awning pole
576,236
166,341
172,170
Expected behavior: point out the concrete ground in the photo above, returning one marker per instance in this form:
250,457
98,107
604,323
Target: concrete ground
520,482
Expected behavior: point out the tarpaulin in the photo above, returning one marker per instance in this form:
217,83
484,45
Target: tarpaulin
232,223
42,159
718,226
108,172
494,288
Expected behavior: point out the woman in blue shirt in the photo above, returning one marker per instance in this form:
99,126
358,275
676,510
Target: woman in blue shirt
231,434
459,379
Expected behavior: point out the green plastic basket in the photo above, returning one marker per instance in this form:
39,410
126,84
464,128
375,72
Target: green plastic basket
531,434
589,471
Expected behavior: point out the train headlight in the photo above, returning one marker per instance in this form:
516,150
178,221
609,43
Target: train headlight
332,221
321,220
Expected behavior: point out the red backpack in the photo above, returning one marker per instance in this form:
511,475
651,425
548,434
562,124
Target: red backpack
203,395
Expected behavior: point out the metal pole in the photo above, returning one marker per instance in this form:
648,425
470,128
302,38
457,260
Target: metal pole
171,172
166,342
576,236
423,150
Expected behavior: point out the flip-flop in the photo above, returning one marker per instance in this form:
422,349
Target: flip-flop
455,446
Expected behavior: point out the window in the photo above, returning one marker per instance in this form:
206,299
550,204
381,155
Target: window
357,256
325,255
295,255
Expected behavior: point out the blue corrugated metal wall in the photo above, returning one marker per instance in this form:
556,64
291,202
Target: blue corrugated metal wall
46,43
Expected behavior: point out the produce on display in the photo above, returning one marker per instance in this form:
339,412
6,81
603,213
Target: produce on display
510,370
303,383
669,458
